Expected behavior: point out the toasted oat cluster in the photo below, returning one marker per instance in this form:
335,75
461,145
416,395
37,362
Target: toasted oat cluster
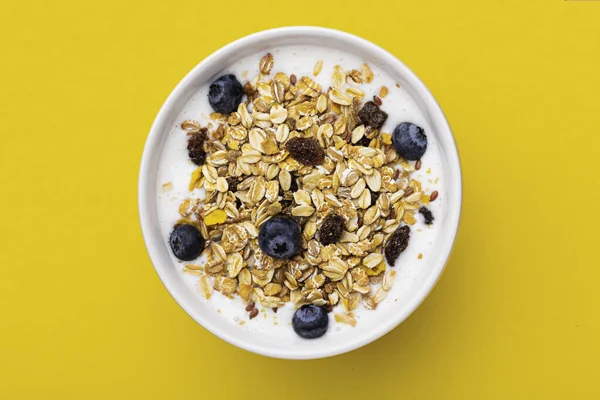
316,156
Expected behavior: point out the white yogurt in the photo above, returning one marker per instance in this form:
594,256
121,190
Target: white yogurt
176,168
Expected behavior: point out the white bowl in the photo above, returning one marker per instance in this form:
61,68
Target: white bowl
387,318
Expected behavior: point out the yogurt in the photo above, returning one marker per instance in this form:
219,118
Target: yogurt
175,170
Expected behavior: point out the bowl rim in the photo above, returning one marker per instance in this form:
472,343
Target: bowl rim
435,114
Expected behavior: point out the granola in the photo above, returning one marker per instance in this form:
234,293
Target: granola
317,156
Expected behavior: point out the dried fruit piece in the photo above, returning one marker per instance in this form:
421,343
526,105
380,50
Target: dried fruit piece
371,115
374,197
331,229
377,270
196,147
364,141
215,217
427,214
306,150
232,182
397,244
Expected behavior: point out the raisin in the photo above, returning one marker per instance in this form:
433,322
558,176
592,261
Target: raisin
233,183
331,229
294,185
374,197
306,150
286,206
196,147
300,220
427,214
364,141
371,115
397,244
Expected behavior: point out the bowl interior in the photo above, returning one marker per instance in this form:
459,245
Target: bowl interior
409,295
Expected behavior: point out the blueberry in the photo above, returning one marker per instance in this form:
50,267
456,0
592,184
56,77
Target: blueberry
279,238
186,242
310,321
225,94
409,141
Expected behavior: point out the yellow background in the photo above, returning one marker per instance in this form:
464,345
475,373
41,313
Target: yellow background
83,314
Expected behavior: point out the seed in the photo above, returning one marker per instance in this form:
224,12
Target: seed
293,79
434,195
377,101
250,306
253,313
409,191
418,164
396,174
